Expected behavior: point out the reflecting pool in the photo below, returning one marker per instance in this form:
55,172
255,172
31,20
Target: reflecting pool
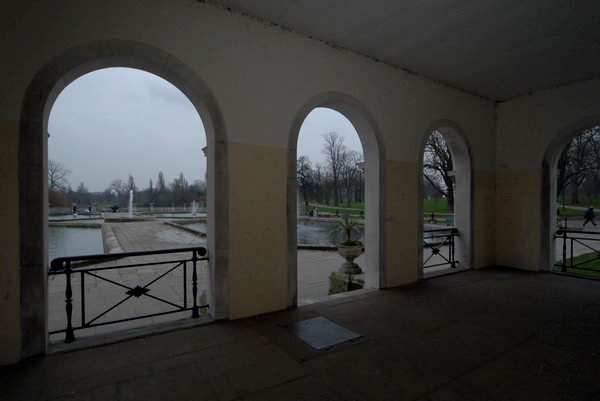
201,227
71,241
177,215
71,217
317,233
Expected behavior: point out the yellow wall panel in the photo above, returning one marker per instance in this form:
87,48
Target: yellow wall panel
401,222
10,336
518,218
484,211
258,264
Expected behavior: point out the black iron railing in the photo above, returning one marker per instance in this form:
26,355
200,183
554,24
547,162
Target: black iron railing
574,261
80,265
438,240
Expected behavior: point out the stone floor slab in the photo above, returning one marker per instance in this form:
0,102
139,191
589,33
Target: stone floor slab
321,333
479,335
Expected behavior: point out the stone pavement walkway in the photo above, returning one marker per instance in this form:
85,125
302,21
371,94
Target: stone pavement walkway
494,334
314,268
575,207
153,235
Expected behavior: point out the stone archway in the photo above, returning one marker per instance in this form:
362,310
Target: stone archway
368,132
548,204
33,154
463,196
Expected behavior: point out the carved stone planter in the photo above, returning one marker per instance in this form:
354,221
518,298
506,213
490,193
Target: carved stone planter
350,252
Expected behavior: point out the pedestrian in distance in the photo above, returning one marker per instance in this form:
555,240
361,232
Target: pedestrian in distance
589,216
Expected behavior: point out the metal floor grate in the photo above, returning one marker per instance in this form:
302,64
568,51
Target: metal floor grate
321,333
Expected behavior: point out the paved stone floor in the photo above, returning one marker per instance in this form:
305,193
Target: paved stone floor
493,334
314,269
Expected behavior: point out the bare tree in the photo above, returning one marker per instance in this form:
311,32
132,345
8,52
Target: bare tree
117,186
350,173
82,188
179,187
334,150
579,164
131,184
150,192
82,195
437,167
319,179
57,198
304,177
161,186
199,191
57,175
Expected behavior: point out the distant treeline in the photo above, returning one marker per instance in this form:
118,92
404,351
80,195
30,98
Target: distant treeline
178,192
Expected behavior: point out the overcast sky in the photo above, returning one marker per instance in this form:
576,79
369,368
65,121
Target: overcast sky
118,121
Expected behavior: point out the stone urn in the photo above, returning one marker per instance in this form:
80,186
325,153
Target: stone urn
350,252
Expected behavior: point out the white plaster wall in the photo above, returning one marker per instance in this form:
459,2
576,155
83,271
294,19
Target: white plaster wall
261,75
528,125
531,130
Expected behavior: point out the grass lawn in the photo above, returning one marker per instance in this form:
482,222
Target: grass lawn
584,201
570,212
594,264
353,205
435,205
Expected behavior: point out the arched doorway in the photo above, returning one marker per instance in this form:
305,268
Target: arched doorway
39,98
364,123
569,166
450,246
124,135
330,171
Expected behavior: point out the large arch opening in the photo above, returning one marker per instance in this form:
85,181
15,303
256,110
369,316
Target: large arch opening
122,138
33,163
330,175
569,200
447,230
364,124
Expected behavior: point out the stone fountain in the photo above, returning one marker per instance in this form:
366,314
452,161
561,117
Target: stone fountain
131,203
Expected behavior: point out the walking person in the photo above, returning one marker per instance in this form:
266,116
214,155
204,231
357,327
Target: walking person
589,216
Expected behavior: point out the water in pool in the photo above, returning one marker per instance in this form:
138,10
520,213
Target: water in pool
323,234
201,227
71,241
71,217
178,215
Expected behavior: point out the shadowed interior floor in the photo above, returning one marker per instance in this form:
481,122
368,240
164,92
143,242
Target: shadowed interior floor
493,334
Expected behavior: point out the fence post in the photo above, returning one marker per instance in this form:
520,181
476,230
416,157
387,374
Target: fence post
564,260
185,303
69,335
452,248
195,285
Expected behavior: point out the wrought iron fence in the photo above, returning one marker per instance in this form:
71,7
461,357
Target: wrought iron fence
437,218
571,258
83,266
436,240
